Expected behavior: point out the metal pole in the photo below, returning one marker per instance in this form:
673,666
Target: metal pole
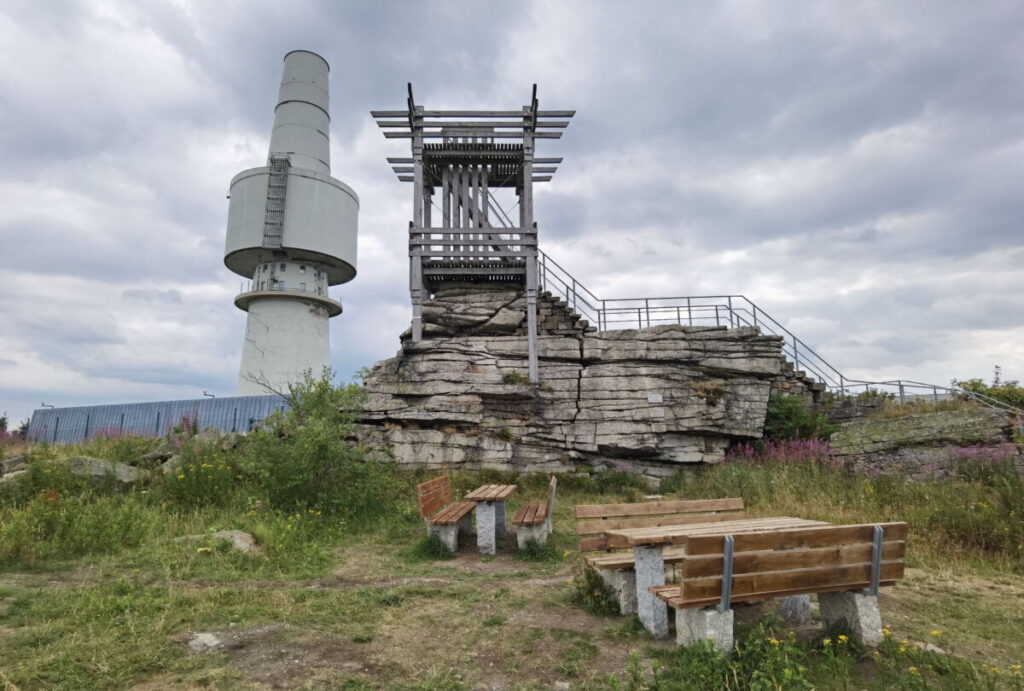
727,554
647,311
717,322
689,311
935,394
876,560
679,319
903,398
755,315
796,354
639,318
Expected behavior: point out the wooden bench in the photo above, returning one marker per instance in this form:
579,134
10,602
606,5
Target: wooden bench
443,517
615,566
844,565
533,521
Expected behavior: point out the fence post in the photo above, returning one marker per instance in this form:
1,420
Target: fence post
903,398
717,323
603,317
842,386
935,394
679,318
730,311
755,313
647,311
796,355
639,318
689,311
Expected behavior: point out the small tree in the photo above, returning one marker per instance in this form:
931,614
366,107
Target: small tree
789,417
307,456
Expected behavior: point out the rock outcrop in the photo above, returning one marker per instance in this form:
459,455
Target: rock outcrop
926,444
648,399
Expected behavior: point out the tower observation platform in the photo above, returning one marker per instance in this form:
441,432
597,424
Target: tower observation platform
464,165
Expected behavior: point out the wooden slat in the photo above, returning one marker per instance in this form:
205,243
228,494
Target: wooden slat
819,536
589,527
679,534
657,507
452,513
593,544
518,519
432,484
781,560
756,585
670,594
430,507
626,560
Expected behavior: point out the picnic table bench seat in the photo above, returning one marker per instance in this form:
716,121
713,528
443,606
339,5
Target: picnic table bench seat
444,517
844,565
606,554
533,521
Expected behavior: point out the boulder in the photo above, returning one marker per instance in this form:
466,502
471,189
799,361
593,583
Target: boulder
240,540
13,464
97,468
12,476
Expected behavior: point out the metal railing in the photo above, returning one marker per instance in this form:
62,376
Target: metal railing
731,311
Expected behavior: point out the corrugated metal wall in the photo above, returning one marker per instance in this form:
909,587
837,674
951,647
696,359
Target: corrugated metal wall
70,425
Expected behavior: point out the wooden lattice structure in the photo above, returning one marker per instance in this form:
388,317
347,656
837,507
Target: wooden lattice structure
465,157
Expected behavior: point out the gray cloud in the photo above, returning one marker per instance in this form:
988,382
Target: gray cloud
852,167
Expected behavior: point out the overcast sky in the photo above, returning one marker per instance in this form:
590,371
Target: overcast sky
855,168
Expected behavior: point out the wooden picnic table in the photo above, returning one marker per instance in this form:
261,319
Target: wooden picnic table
647,544
490,514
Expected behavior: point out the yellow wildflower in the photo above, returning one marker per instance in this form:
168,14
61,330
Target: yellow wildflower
181,477
903,648
886,632
1015,668
774,641
936,632
204,550
913,670
827,641
565,554
842,638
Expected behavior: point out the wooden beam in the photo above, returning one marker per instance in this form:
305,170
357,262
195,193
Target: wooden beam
710,566
815,536
651,508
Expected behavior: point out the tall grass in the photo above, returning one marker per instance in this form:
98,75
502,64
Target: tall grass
976,514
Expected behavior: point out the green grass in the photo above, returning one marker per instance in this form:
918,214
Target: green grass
96,592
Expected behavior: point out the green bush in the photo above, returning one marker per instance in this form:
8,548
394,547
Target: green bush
789,417
428,548
590,592
205,475
1009,392
307,457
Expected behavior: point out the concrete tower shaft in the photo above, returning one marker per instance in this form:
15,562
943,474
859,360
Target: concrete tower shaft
292,232
301,119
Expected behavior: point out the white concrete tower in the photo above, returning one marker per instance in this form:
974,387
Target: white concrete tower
292,231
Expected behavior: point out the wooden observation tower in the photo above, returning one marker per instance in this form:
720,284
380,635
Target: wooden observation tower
473,160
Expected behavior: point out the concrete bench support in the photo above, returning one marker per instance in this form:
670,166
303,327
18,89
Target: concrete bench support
536,533
859,611
705,624
490,523
449,534
795,609
622,582
650,571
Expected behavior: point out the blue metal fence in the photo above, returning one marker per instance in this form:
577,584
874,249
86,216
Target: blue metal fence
70,425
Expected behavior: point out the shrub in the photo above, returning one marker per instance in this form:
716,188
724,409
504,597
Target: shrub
514,376
428,548
205,475
789,417
306,457
1009,392
590,592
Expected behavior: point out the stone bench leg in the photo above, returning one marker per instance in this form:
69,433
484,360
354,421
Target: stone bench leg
859,611
623,583
449,535
650,571
486,527
466,524
705,624
500,524
795,609
525,533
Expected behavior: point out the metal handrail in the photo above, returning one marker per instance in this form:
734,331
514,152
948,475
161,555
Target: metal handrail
733,311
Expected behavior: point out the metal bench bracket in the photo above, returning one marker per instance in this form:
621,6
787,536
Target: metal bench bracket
876,561
727,553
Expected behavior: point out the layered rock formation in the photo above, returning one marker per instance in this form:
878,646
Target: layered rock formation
926,444
649,399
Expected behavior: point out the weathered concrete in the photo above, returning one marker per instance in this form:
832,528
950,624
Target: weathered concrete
795,609
98,469
448,534
486,527
531,533
705,624
859,611
622,582
650,571
651,400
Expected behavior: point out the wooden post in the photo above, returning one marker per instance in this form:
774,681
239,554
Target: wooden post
415,259
526,215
